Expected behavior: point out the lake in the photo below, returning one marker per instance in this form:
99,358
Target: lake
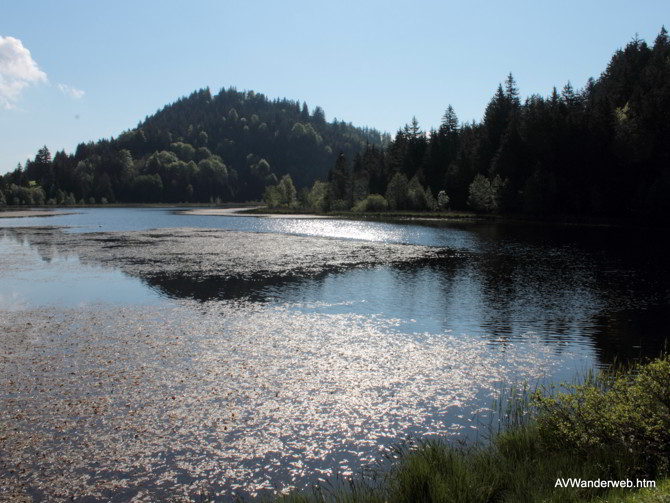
151,352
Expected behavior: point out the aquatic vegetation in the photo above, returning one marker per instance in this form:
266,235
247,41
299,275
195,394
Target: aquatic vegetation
242,397
627,410
200,253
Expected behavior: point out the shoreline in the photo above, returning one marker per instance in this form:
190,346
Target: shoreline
33,213
251,210
248,212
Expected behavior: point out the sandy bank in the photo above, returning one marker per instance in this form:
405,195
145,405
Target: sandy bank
238,212
32,213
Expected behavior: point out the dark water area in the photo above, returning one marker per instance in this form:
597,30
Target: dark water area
305,347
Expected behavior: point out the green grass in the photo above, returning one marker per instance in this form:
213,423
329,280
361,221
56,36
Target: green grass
512,470
659,494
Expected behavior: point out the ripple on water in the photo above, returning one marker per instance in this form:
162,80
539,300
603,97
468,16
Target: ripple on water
117,401
238,396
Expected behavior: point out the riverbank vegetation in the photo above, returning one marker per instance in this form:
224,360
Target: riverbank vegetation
559,444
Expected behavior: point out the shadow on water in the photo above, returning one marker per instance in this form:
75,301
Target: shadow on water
305,288
602,289
213,288
630,335
464,295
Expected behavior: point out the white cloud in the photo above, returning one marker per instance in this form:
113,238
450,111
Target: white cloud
18,70
70,91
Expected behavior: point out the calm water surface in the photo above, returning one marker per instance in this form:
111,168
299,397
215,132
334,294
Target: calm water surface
604,289
385,351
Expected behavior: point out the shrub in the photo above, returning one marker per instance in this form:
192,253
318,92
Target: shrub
442,200
416,195
627,411
282,194
339,205
374,202
484,194
272,196
318,196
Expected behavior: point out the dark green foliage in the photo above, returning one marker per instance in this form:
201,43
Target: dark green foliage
601,151
485,194
372,203
19,195
598,151
317,200
283,194
339,178
202,148
628,412
397,192
147,188
417,198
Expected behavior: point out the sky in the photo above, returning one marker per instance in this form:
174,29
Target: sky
74,71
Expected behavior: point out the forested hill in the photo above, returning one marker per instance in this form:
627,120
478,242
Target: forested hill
202,148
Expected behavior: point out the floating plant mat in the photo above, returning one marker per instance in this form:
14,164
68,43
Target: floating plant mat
202,253
120,402
115,402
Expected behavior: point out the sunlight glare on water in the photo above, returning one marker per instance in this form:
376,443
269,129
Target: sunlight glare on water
344,229
244,396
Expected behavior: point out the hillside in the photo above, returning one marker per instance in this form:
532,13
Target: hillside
201,148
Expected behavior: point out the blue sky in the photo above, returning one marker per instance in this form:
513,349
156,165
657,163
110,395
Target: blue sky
77,71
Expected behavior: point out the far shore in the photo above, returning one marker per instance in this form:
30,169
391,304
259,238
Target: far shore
32,213
253,209
247,212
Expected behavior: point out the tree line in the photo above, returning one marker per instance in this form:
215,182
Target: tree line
603,150
202,148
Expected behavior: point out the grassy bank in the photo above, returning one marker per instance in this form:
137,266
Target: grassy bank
613,427
452,216
431,215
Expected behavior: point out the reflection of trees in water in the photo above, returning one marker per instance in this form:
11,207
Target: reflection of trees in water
632,335
563,284
221,287
570,282
263,288
50,243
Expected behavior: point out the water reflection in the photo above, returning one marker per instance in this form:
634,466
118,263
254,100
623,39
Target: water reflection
33,277
566,285
628,335
268,357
